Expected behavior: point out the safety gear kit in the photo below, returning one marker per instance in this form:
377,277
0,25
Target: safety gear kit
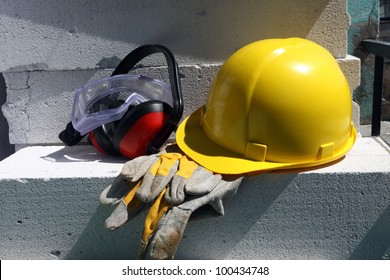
274,104
127,114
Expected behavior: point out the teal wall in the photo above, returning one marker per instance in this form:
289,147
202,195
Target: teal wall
364,24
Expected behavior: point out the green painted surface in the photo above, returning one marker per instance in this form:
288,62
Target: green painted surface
364,24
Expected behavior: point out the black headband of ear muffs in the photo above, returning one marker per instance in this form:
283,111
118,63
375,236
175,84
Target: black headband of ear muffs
136,56
71,137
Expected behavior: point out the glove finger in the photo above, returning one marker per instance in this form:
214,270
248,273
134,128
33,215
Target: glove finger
175,190
118,217
126,210
225,191
132,166
156,211
143,167
202,182
205,212
186,167
175,193
159,184
222,192
169,231
116,191
158,177
167,236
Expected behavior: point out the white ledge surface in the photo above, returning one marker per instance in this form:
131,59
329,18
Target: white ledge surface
49,162
49,209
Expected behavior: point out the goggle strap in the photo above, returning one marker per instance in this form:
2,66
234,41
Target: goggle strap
70,136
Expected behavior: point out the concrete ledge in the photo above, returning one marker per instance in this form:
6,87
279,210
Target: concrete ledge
49,209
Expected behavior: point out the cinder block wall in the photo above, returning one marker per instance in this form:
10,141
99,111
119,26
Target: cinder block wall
48,195
48,51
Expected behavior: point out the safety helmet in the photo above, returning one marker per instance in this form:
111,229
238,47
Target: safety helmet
274,104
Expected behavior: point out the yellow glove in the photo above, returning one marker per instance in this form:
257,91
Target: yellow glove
162,181
164,238
143,179
140,182
156,211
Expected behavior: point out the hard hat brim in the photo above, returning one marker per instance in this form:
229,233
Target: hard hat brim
195,144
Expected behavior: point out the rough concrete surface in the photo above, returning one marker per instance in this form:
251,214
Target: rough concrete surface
39,103
49,51
337,212
90,34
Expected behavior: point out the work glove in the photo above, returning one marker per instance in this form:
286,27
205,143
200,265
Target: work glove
143,179
162,240
163,181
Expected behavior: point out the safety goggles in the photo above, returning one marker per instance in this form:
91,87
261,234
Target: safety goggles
107,100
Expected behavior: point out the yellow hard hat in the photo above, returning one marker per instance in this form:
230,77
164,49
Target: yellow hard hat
275,104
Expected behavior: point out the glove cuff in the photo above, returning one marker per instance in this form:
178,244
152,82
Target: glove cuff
162,245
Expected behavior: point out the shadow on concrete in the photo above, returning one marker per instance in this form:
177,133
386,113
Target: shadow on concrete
203,239
6,148
97,242
376,244
82,153
215,238
272,216
211,238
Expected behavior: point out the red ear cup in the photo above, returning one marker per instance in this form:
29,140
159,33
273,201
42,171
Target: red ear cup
99,139
139,126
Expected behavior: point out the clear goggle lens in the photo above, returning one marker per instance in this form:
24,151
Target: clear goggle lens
107,100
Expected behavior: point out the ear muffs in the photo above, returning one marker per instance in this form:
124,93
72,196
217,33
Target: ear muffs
101,137
145,127
132,135
139,127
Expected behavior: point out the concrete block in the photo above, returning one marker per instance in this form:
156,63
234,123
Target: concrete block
350,65
49,210
95,34
39,103
331,27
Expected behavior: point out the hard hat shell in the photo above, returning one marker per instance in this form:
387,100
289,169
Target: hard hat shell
274,104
